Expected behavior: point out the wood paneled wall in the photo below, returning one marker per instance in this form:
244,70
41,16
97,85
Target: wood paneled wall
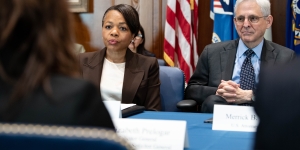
88,26
151,18
278,10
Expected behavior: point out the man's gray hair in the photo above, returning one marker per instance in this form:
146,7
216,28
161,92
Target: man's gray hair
265,6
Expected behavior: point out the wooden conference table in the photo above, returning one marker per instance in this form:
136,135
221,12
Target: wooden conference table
200,134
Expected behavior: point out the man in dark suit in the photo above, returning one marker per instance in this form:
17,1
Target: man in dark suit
277,106
218,75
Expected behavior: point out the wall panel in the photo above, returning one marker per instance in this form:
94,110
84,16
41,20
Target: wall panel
88,26
278,10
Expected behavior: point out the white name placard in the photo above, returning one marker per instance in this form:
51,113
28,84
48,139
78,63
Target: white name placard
147,134
113,108
234,118
124,106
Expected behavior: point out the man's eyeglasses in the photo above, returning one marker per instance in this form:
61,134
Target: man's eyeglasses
139,36
252,19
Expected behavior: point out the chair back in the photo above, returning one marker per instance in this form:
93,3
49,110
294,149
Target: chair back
37,137
161,62
172,87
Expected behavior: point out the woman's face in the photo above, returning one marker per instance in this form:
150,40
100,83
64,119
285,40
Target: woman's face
115,32
137,41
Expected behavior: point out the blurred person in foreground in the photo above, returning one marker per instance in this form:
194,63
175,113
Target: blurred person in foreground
38,68
277,105
137,45
120,74
227,72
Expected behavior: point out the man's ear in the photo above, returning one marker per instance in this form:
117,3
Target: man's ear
269,20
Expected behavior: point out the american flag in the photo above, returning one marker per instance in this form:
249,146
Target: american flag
180,43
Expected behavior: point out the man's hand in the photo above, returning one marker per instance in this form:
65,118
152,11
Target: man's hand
232,92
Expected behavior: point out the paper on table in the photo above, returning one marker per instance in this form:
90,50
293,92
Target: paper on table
113,108
234,118
149,134
124,106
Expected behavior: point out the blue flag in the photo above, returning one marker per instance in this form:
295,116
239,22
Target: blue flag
222,12
293,26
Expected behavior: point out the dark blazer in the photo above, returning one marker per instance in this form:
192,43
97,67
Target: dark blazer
277,104
216,63
72,102
141,83
145,53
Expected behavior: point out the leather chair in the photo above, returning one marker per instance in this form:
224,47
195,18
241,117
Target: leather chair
36,137
172,87
189,104
161,62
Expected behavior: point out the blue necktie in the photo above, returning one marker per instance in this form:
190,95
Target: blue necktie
247,76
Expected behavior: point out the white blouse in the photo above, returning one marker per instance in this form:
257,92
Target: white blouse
111,83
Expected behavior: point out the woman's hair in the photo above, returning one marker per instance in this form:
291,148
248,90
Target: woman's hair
265,6
130,15
36,41
141,47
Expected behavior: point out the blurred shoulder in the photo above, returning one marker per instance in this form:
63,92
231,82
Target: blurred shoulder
278,47
67,85
289,69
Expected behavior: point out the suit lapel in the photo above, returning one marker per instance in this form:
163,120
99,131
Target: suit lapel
268,55
132,78
227,60
228,55
93,69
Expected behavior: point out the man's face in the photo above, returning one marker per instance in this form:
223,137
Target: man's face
250,23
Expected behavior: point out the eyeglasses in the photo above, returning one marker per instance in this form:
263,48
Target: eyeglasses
253,19
139,36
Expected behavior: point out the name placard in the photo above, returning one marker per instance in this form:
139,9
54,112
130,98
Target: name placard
113,108
147,134
234,118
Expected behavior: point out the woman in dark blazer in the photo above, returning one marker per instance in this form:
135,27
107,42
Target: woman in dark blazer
39,75
138,44
120,74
